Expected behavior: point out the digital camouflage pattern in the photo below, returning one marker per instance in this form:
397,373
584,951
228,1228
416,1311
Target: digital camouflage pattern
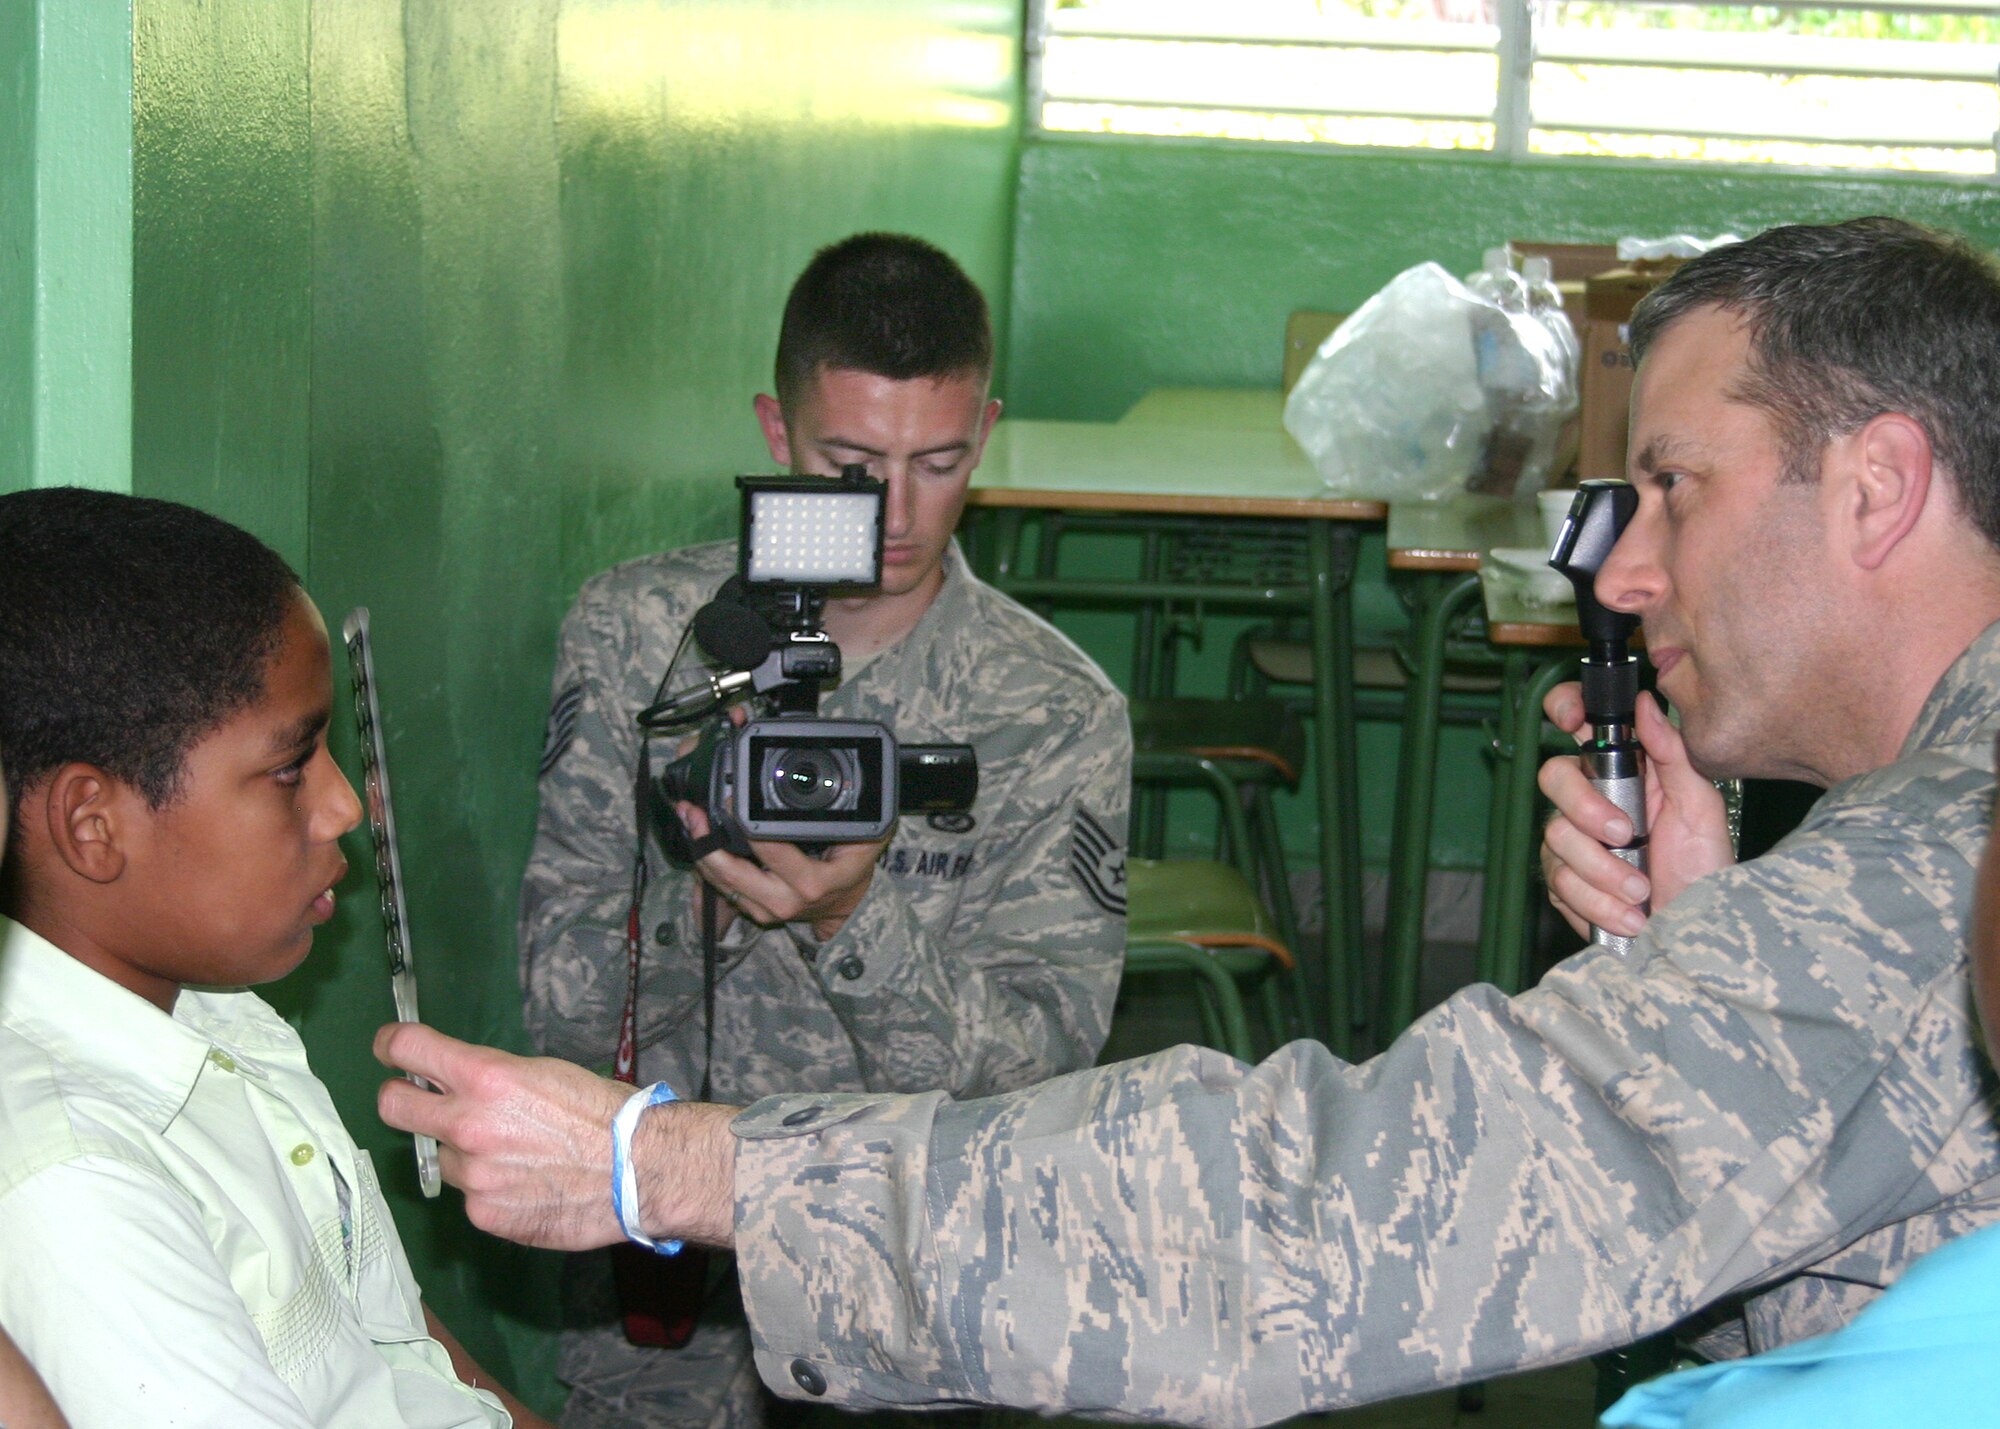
1778,1095
984,956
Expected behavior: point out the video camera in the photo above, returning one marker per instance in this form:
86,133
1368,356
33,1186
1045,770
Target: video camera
788,774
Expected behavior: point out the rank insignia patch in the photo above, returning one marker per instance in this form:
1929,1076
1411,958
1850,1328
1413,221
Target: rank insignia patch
1098,862
562,726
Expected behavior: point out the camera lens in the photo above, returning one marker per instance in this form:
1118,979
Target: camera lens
809,780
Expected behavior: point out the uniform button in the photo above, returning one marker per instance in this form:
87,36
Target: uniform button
850,967
799,1118
222,1059
302,1153
663,933
806,1376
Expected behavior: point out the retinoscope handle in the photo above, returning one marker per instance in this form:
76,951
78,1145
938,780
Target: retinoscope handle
1613,761
1612,758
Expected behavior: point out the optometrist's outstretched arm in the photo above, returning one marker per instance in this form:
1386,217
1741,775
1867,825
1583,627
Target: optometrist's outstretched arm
527,1140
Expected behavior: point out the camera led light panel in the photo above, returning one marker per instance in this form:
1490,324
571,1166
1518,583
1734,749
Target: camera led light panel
830,537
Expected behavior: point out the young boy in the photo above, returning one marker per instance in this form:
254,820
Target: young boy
24,1399
188,1235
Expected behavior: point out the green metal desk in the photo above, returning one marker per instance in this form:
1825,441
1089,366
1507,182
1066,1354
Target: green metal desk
1541,645
1250,409
1202,455
1437,546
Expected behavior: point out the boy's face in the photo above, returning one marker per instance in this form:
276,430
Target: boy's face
226,884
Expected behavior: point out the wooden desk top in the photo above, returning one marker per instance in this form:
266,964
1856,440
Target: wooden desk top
1158,467
1452,535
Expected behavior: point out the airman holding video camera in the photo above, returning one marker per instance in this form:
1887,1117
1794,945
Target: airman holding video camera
970,953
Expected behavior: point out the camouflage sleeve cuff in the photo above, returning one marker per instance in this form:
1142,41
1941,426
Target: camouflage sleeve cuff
834,1251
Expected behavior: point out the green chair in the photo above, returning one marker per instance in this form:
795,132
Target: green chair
1187,566
1422,679
1257,747
1203,920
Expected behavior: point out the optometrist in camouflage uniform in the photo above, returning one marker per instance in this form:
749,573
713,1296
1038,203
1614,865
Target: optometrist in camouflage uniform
1775,1104
1778,1095
972,953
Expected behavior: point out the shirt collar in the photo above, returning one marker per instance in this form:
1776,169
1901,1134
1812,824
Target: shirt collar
1962,703
912,674
108,1037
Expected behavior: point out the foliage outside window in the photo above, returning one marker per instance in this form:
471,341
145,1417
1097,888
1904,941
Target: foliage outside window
1854,84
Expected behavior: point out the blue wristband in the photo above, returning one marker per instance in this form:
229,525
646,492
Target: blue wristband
624,1180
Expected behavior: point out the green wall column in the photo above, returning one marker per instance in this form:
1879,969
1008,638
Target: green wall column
222,261
66,244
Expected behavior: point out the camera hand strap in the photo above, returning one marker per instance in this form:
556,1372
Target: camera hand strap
625,1066
710,955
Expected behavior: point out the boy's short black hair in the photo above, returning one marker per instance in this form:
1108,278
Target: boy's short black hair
887,304
129,629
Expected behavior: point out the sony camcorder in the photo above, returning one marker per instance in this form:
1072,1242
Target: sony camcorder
787,774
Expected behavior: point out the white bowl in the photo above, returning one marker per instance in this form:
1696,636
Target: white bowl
1527,569
1555,510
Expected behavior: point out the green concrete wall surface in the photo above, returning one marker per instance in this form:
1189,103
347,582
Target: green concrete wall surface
1145,263
457,303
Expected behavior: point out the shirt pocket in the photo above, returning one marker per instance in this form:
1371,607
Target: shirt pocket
385,1291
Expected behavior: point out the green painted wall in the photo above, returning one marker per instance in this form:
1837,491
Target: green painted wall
65,244
1145,264
222,261
457,303
1142,264
18,87
707,150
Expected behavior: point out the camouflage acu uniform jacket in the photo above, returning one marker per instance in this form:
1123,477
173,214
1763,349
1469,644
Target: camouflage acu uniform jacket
984,955
1780,1092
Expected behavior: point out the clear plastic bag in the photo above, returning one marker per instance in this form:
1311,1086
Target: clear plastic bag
1431,389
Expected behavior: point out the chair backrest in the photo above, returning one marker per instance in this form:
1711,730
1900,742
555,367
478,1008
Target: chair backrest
1305,330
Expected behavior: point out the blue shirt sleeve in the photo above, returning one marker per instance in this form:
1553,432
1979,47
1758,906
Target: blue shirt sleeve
1927,1352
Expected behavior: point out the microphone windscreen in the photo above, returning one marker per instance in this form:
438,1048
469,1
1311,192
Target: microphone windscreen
732,634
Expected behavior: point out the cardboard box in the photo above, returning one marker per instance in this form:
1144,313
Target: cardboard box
1570,264
1609,299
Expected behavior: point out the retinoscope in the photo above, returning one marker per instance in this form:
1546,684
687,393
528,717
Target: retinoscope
1612,757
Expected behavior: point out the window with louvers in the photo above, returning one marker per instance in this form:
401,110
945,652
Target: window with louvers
1825,86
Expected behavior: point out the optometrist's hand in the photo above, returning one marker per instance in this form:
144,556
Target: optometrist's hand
528,1140
1687,826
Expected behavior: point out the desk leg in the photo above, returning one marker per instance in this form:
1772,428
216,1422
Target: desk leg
1440,598
1000,543
1331,553
1510,877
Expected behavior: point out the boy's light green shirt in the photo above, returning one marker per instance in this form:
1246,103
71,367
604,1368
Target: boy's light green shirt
188,1235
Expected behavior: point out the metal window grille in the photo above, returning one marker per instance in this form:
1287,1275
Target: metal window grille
1848,84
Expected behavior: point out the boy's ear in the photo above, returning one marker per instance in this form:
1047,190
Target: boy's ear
84,812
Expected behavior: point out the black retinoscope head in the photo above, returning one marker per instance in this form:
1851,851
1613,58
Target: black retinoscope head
1597,518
